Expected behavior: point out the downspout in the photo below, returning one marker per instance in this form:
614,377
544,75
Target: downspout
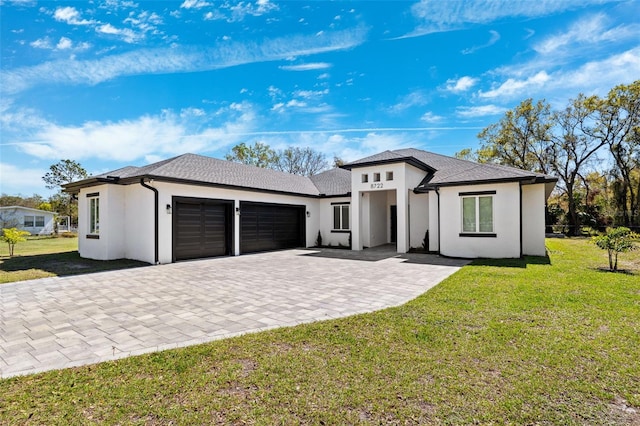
438,194
155,219
520,190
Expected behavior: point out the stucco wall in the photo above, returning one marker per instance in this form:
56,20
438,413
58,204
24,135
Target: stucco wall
95,248
418,218
506,217
533,220
325,213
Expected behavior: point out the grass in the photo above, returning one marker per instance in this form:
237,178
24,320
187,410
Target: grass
533,341
41,257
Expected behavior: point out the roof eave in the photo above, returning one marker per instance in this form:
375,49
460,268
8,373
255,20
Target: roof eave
409,160
526,180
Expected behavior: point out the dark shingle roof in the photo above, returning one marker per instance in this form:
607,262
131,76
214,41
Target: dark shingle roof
197,168
333,182
440,170
450,170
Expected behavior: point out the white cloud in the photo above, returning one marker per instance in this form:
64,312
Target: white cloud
306,67
21,180
430,117
438,16
233,12
417,98
587,31
598,76
127,140
175,60
127,34
515,86
309,94
64,43
41,43
479,111
461,85
194,4
71,16
495,36
324,76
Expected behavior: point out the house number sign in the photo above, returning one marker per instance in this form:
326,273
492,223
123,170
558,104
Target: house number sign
376,185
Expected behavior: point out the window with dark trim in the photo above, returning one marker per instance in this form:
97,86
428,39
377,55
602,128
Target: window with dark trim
365,178
389,175
341,217
40,221
477,214
94,215
376,177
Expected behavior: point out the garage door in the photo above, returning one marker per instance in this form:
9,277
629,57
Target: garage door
201,228
271,227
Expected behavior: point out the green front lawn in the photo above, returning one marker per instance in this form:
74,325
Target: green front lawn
41,257
499,342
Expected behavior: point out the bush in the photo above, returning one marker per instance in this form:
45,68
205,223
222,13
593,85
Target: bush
13,236
616,241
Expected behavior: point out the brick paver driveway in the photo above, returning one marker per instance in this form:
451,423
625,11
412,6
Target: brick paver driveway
58,322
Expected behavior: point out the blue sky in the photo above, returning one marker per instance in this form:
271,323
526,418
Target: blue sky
116,82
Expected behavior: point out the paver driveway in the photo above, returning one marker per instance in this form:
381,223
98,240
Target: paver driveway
61,322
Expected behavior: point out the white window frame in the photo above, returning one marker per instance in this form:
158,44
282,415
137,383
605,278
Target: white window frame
389,176
341,226
93,207
376,177
476,196
38,221
365,178
31,222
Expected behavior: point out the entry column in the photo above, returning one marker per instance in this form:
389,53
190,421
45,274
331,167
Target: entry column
402,239
356,241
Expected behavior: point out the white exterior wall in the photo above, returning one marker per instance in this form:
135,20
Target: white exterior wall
418,218
533,219
139,223
11,217
325,213
110,241
433,221
371,206
506,223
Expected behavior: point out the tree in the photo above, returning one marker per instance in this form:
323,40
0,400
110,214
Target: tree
258,154
63,172
13,236
17,200
616,241
301,161
338,162
520,139
617,124
570,150
295,160
466,154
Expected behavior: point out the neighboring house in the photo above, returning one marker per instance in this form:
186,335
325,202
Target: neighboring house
192,206
37,222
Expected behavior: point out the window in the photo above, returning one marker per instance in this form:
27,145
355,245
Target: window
477,214
389,175
40,221
94,215
365,178
376,177
341,217
29,222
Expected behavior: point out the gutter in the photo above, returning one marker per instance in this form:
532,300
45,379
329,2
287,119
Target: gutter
155,217
437,189
520,193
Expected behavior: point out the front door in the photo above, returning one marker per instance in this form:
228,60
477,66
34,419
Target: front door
394,223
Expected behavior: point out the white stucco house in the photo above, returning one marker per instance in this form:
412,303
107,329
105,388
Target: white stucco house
37,222
193,206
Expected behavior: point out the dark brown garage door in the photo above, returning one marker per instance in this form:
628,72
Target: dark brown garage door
201,228
271,227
